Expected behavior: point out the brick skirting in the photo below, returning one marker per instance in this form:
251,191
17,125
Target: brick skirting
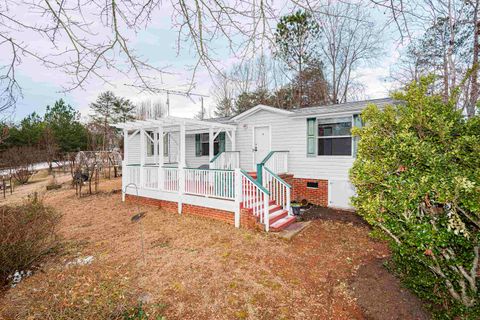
247,220
300,191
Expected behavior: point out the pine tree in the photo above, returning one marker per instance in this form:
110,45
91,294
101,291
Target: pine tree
104,115
123,109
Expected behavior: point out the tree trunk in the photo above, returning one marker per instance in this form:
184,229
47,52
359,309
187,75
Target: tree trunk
474,93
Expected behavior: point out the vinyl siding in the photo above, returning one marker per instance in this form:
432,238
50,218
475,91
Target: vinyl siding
289,133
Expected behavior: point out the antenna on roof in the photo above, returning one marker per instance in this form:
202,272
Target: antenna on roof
187,94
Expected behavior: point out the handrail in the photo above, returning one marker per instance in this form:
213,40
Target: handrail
208,169
218,155
277,177
270,154
255,182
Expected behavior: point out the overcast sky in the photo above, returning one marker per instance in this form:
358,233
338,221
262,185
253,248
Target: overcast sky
42,87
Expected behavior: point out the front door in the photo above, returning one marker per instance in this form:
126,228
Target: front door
261,144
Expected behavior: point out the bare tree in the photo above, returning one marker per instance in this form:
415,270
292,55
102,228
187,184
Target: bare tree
349,39
223,94
458,27
88,39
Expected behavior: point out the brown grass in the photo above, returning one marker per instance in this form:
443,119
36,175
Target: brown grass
195,268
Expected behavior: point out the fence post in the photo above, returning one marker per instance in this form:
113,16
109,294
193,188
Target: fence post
124,179
266,218
259,173
238,196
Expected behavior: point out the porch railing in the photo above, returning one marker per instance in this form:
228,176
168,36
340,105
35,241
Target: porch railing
277,187
227,160
254,196
170,179
150,174
210,183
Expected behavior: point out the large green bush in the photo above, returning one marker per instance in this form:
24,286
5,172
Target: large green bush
417,176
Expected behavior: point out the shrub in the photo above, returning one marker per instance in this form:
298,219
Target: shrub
418,182
27,235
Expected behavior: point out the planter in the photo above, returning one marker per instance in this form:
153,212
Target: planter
296,210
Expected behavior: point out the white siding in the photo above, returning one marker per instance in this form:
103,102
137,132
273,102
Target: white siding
290,134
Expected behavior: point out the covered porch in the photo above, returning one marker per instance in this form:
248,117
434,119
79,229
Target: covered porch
155,167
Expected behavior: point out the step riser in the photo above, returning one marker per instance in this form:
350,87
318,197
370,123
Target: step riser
283,225
278,217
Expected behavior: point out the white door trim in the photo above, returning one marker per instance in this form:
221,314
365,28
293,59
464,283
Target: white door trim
253,142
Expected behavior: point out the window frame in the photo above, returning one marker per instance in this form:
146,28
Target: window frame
316,137
216,142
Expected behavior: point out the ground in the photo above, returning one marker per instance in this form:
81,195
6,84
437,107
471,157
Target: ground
193,268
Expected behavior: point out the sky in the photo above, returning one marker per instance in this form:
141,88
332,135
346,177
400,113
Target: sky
157,43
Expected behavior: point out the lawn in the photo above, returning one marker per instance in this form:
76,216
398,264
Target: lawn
194,268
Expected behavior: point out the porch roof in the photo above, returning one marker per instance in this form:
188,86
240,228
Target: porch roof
171,122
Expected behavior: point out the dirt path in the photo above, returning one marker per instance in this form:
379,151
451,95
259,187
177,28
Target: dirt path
202,269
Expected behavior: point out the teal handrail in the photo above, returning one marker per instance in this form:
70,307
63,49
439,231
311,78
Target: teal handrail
277,177
269,155
258,185
218,155
262,164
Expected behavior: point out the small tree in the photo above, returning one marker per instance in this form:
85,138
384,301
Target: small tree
418,182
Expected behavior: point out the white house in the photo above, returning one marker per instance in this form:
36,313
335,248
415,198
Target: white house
253,164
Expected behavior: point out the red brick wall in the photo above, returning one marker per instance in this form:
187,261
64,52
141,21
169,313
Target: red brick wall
300,191
247,220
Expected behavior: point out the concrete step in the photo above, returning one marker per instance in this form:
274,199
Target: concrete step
282,223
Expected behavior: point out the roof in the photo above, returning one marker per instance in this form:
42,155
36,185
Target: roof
347,107
175,122
259,108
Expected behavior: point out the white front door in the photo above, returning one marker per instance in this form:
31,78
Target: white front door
261,144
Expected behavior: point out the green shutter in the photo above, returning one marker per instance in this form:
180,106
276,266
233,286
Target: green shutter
198,146
358,123
165,145
221,142
311,137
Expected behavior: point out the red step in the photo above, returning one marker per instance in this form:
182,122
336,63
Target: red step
277,215
253,174
282,223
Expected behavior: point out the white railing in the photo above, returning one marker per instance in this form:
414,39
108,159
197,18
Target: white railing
226,160
277,162
132,175
279,190
150,177
210,183
254,196
170,179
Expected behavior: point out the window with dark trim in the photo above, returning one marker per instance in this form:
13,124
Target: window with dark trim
202,144
311,184
334,137
151,147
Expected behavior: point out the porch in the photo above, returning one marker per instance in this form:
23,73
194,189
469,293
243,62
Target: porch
156,168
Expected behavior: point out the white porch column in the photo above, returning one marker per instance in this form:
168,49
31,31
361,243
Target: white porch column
181,167
211,139
238,196
125,177
155,147
233,140
142,157
160,158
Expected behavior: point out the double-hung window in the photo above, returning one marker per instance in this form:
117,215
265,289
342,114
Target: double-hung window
151,147
334,137
202,142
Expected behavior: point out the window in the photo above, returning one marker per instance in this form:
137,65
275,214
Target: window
151,145
202,142
334,138
313,185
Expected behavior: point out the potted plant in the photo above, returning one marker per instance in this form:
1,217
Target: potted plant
296,208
